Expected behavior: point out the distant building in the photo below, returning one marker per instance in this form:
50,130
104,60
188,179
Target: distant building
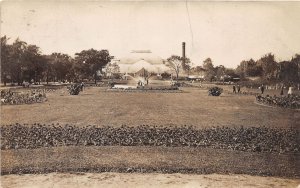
141,61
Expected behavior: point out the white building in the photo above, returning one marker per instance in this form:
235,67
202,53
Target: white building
142,59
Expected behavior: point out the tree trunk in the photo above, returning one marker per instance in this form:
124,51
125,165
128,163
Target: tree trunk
96,77
4,79
47,78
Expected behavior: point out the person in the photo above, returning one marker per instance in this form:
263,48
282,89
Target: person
281,91
238,88
290,92
262,88
233,87
81,86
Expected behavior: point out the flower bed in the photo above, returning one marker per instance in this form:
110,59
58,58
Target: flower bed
292,101
261,139
9,97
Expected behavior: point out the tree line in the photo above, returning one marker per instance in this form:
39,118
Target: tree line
266,69
25,62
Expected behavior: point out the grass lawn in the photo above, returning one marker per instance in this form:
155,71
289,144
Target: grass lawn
96,106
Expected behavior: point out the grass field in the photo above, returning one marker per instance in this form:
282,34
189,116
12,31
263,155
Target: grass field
193,106
96,106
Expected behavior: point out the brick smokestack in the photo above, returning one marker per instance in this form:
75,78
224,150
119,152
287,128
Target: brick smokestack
183,52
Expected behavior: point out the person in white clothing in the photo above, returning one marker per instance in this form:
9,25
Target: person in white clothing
290,92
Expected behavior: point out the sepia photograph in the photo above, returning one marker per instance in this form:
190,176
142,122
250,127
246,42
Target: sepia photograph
150,93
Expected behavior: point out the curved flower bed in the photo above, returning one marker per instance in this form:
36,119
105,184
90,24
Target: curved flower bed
14,98
254,139
292,101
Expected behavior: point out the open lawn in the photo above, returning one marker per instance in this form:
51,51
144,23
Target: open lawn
192,106
96,106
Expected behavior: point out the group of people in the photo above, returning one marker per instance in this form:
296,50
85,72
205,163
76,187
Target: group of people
142,83
262,88
236,88
290,90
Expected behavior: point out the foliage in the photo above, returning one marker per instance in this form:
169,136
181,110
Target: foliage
59,67
215,91
165,75
111,69
252,139
93,61
292,101
178,64
22,62
269,66
14,98
74,89
175,63
210,70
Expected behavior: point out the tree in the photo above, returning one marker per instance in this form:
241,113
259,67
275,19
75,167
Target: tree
296,60
288,71
175,63
5,59
16,60
33,64
186,64
249,68
269,66
220,72
59,67
111,69
93,61
209,67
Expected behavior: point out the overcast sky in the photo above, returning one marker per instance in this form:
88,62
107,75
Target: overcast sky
227,32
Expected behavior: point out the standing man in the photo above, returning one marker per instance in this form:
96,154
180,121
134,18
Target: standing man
238,88
281,91
81,86
233,87
262,88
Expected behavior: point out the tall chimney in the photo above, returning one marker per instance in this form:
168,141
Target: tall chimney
183,52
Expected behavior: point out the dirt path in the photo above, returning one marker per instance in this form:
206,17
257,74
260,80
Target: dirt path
90,180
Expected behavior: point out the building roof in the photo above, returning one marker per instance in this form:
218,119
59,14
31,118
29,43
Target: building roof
139,59
138,55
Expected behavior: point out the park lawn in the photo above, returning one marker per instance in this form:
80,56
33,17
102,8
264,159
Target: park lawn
97,106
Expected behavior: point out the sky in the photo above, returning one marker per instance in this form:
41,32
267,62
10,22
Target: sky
227,32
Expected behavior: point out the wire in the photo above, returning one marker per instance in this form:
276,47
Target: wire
191,30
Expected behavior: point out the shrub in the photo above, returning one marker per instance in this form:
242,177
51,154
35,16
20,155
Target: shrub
215,91
74,89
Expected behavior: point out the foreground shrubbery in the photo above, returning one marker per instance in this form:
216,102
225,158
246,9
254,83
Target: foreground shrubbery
9,97
215,91
292,101
243,139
